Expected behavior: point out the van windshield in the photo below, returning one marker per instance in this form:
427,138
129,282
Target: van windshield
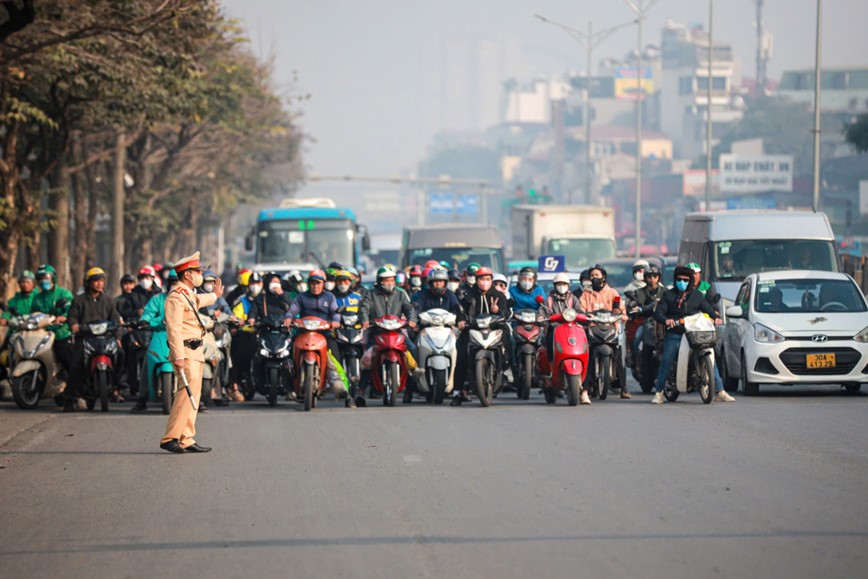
735,260
457,257
582,253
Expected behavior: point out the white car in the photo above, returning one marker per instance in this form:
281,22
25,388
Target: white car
796,327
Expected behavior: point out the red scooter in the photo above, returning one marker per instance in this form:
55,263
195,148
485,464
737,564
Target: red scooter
567,371
389,359
310,355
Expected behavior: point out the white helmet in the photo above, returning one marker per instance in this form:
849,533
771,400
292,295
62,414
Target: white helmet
561,278
499,277
640,264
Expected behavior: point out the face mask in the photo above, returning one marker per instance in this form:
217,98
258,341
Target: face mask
416,281
453,285
471,280
681,285
586,284
526,284
329,285
45,285
343,287
562,288
596,283
255,289
146,283
639,276
208,287
484,286
388,287
273,288
198,279
301,287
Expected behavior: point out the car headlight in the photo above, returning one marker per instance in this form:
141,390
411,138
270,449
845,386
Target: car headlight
862,337
765,335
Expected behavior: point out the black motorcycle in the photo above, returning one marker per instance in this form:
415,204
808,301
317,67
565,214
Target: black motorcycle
101,354
646,358
135,344
273,361
351,341
486,354
604,361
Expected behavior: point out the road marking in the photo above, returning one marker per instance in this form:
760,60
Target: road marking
412,458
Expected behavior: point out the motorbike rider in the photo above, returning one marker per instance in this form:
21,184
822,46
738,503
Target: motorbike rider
682,300
91,306
234,296
469,280
584,283
331,271
154,315
644,299
454,281
524,294
293,284
349,300
601,296
414,279
558,301
207,287
244,341
271,304
480,299
437,295
356,283
127,283
55,301
639,268
22,301
701,285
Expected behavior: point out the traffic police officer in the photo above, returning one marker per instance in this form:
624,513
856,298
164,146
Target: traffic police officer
184,331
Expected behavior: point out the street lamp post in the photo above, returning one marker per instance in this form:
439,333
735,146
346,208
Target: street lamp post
640,9
589,41
708,127
817,76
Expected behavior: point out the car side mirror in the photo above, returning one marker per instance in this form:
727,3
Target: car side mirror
734,312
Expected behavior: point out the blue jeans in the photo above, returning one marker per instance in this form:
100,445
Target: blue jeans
671,344
637,339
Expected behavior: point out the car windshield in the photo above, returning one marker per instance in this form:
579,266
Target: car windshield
619,275
284,242
735,260
808,296
458,257
582,253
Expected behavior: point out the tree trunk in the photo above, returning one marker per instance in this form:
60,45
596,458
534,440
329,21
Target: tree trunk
118,196
9,233
58,239
79,196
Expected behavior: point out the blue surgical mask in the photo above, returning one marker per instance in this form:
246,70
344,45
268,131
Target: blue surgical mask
681,285
45,285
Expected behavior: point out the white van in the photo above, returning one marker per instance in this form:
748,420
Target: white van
730,245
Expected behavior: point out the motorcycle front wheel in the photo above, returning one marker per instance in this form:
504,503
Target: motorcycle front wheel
705,375
604,376
484,382
307,386
438,384
527,377
27,389
574,387
273,385
102,379
393,372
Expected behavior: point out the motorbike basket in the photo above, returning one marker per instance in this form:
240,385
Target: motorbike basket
701,339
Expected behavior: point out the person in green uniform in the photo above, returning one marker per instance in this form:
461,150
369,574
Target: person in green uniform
21,303
55,301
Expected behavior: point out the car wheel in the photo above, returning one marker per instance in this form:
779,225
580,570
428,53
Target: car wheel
730,383
749,388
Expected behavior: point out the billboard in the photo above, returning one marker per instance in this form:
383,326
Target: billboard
756,173
625,82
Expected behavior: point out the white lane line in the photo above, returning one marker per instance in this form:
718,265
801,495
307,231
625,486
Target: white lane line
412,458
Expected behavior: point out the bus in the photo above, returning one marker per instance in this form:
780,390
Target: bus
306,234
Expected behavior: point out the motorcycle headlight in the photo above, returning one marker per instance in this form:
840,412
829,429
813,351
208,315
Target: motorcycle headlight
264,352
765,335
98,329
356,338
569,315
862,337
283,353
351,320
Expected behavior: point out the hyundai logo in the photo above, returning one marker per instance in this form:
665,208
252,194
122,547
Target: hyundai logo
819,338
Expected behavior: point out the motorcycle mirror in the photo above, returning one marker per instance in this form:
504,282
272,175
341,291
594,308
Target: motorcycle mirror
60,303
539,299
716,299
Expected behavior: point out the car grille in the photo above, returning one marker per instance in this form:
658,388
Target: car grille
845,360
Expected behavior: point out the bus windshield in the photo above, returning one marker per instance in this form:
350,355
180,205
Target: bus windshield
305,241
735,260
458,257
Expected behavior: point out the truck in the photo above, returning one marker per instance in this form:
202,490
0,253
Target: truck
305,234
583,234
457,245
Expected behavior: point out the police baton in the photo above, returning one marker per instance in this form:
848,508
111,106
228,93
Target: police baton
187,388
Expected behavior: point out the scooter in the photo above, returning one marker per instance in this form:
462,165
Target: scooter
136,343
486,353
159,375
646,360
272,362
437,354
528,336
389,359
310,359
694,369
211,368
604,337
351,341
100,354
570,351
220,363
34,371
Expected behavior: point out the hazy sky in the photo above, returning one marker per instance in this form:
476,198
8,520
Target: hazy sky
373,68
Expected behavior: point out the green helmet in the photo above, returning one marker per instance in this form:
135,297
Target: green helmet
46,269
693,266
385,271
471,269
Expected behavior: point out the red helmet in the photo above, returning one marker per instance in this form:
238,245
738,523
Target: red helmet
158,267
426,271
431,263
415,270
316,275
147,271
484,271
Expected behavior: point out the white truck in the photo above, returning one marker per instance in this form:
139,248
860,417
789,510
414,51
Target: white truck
583,234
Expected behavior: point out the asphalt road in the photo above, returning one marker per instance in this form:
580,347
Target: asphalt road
773,486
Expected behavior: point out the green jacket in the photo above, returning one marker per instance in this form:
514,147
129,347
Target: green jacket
23,305
703,288
45,303
155,313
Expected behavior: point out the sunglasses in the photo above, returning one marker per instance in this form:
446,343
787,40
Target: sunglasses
681,279
652,275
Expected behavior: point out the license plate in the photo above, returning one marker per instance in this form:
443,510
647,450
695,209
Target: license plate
819,361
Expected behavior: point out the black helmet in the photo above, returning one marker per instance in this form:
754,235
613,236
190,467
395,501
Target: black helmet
601,268
438,274
585,275
652,270
127,278
526,270
454,275
254,278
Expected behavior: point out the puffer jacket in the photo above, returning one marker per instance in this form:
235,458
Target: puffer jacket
379,303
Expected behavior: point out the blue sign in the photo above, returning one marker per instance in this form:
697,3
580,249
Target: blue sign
440,203
552,264
467,205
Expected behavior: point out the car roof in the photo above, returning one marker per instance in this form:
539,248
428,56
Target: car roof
787,274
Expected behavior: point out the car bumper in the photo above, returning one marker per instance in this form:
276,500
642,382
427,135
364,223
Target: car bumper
786,362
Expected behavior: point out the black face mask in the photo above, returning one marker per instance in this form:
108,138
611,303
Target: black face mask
597,283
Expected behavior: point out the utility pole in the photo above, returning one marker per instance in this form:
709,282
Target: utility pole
817,77
640,9
708,126
589,41
760,51
116,270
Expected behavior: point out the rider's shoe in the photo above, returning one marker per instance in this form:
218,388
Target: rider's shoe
723,396
625,394
658,398
584,398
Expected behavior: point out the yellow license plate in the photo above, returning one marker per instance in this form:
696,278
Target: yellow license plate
819,361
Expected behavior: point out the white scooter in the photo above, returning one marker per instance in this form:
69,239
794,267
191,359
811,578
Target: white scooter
34,372
437,354
694,368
